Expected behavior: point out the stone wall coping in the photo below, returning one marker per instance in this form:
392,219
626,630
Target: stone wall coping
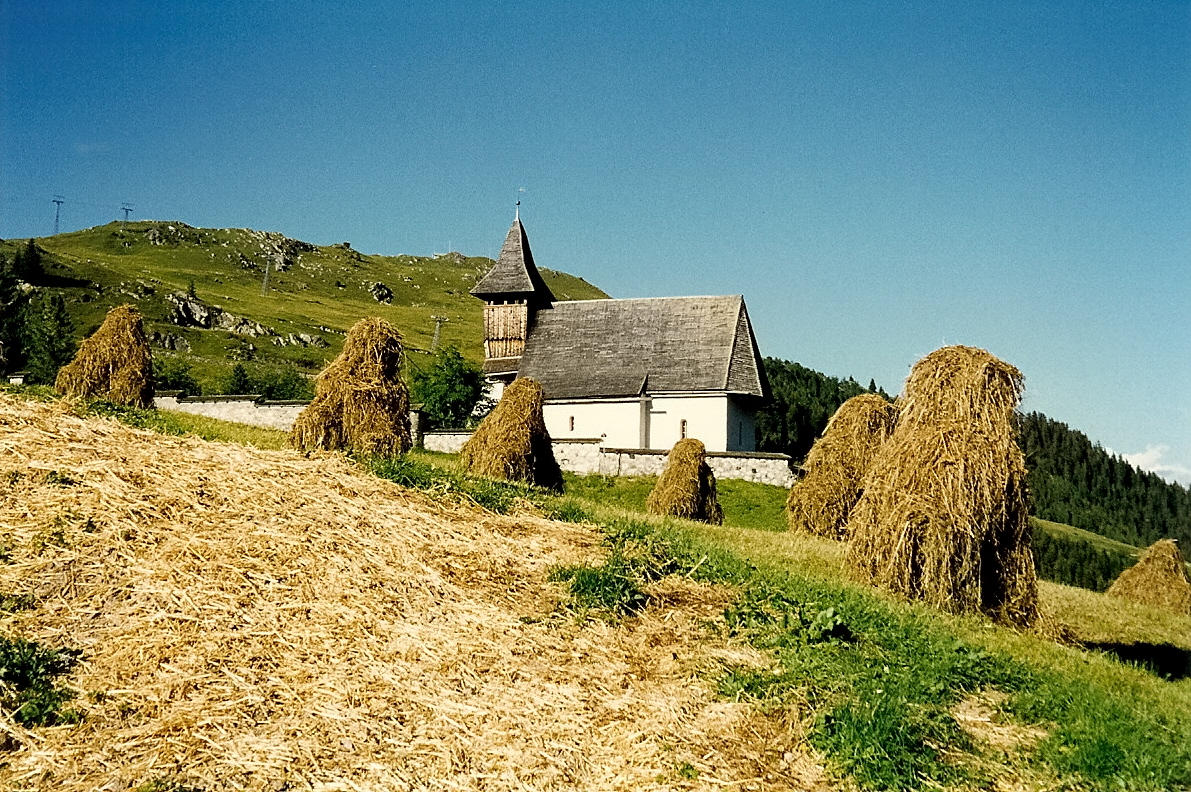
233,397
578,440
448,432
749,455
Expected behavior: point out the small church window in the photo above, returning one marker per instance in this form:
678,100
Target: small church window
682,429
572,423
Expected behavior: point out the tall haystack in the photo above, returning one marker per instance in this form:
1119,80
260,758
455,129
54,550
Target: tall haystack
944,513
1159,579
113,364
820,501
360,403
512,443
686,487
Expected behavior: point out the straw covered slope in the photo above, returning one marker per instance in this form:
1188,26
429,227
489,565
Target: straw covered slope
820,501
258,620
944,514
360,403
113,364
686,487
1158,579
512,443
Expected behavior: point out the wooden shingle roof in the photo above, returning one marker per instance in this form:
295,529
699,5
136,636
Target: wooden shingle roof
601,348
515,275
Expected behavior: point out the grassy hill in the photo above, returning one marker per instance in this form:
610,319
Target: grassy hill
251,618
318,291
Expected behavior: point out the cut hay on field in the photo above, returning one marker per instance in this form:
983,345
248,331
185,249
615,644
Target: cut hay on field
257,620
360,403
113,364
686,487
944,515
512,443
1159,579
820,501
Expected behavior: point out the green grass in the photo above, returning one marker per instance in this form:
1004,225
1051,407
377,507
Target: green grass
1078,534
322,292
878,679
746,504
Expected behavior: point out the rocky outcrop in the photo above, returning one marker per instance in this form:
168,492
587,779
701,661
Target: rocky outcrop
169,341
300,339
190,311
381,293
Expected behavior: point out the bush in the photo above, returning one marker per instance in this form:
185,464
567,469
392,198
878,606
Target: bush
174,373
27,689
448,390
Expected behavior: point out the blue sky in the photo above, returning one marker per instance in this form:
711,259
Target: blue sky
878,179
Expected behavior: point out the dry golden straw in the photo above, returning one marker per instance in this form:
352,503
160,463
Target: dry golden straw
944,513
360,403
512,443
113,364
820,501
686,487
1158,579
258,620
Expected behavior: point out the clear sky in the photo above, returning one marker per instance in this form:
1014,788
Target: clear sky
878,179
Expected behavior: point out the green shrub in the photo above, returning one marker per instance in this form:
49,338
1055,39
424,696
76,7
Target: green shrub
27,689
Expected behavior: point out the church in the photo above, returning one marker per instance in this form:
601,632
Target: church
634,373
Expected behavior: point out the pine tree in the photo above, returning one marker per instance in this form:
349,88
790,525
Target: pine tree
49,337
11,346
239,382
27,264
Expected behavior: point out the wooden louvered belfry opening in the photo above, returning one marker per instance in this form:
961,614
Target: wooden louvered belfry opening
505,327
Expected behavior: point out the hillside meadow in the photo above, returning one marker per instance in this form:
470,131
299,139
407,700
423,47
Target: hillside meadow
857,690
311,290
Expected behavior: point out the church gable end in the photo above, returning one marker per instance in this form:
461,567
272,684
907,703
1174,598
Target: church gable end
745,371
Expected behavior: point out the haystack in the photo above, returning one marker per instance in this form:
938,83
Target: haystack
512,443
113,364
360,403
944,513
1159,579
820,501
686,487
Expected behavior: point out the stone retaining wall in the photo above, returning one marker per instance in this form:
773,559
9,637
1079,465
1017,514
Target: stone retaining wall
587,456
247,409
748,466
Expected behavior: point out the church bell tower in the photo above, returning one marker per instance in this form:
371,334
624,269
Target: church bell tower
512,291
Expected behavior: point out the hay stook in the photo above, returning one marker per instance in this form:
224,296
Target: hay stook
819,502
512,442
114,363
360,403
686,487
944,515
1159,579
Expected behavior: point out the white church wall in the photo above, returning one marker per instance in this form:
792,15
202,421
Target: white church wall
705,416
741,427
617,423
710,418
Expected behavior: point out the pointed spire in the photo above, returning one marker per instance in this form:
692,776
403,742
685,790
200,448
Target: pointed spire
515,276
